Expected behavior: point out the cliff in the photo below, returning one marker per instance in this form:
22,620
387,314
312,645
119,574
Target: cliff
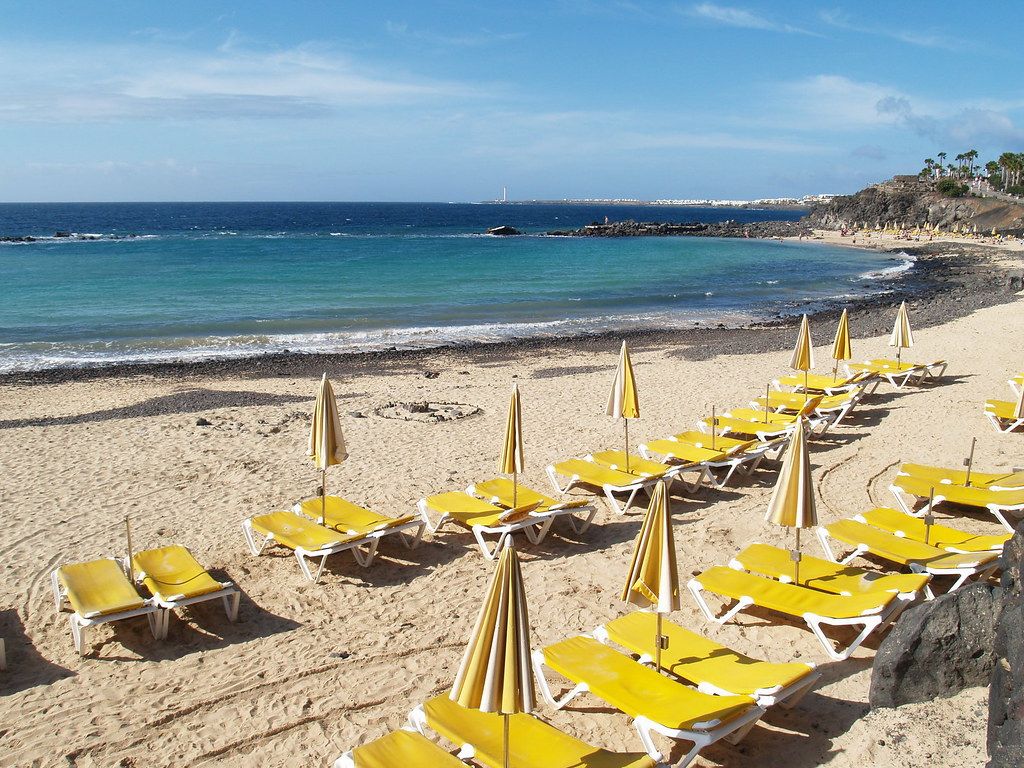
913,202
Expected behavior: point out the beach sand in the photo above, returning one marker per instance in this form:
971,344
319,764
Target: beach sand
311,670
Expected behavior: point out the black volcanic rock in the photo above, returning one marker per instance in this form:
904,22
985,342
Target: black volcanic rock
504,230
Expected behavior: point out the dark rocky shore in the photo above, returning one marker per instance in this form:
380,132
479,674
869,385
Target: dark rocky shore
946,282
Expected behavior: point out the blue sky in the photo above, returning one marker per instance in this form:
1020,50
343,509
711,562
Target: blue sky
450,100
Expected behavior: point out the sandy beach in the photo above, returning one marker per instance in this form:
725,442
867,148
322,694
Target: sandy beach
311,670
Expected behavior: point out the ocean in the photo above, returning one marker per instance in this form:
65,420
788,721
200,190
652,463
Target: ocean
175,281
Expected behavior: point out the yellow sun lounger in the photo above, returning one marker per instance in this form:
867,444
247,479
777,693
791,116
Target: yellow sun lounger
499,491
831,408
712,667
916,555
827,385
764,431
98,591
397,750
611,481
306,539
483,518
952,539
350,519
694,448
175,579
869,611
1002,414
533,743
998,502
829,576
657,704
899,374
993,481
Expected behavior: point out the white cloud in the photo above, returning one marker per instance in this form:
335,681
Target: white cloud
918,37
739,17
233,81
483,37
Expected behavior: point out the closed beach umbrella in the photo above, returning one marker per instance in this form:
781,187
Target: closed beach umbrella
326,443
495,674
841,344
653,578
902,336
792,502
512,459
803,353
623,402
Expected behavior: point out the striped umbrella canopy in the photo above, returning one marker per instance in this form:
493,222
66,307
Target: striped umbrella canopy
841,343
495,673
902,336
803,352
653,578
623,402
326,443
792,501
512,458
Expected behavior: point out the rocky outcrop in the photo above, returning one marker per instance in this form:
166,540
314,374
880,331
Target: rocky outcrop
503,230
938,648
630,228
911,201
1006,693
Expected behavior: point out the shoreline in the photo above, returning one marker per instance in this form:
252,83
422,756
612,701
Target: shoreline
948,279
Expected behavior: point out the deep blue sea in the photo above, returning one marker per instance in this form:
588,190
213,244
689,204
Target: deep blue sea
201,280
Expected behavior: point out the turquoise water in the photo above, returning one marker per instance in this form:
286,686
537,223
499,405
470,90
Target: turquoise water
235,281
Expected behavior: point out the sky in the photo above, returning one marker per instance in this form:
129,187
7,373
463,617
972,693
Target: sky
450,101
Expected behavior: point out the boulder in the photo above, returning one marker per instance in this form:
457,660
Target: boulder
1006,693
938,648
504,230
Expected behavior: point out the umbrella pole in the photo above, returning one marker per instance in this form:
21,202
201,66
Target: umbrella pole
626,422
970,462
506,741
657,646
796,560
128,532
767,396
929,518
714,423
515,491
323,496
805,387
835,372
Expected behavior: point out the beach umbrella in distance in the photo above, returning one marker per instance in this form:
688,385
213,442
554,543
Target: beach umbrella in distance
495,674
803,352
653,578
902,336
512,459
623,402
326,443
841,343
792,501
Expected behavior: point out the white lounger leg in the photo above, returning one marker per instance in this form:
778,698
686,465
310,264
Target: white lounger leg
615,505
814,622
231,605
696,589
537,658
536,533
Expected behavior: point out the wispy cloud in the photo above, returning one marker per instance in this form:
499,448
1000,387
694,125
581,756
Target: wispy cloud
233,80
918,37
740,17
481,38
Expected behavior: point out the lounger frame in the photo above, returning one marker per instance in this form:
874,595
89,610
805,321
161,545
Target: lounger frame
998,510
578,522
701,734
631,490
258,542
869,623
962,573
1001,424
788,696
228,593
536,527
79,623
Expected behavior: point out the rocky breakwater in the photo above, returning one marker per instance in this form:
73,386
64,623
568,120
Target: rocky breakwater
970,638
631,228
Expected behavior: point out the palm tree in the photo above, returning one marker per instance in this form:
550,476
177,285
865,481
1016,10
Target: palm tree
971,155
942,159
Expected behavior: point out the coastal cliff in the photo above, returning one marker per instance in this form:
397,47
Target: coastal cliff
912,202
